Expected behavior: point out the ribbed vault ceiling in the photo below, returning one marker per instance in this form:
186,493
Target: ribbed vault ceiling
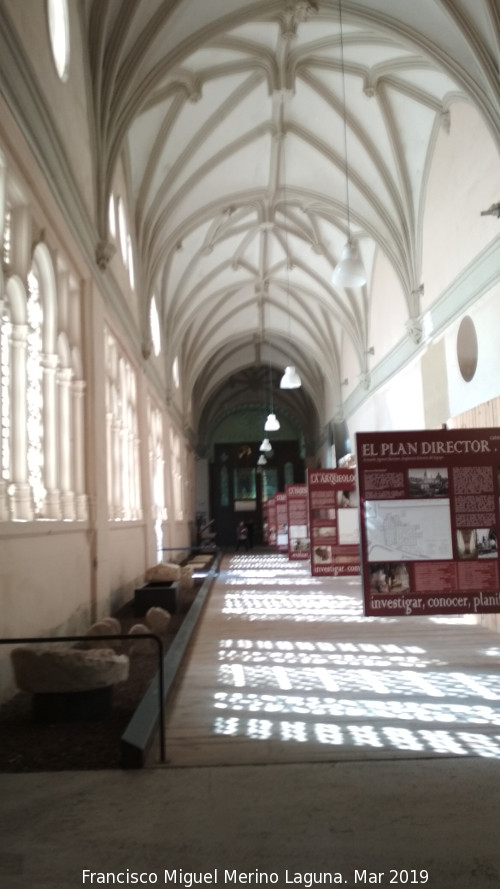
230,117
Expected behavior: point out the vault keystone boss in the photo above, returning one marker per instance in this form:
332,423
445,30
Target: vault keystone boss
425,448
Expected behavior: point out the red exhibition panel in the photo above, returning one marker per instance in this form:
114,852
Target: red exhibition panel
298,524
271,521
333,522
281,523
429,509
265,523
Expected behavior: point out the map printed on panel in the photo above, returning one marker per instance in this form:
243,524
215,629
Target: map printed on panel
405,530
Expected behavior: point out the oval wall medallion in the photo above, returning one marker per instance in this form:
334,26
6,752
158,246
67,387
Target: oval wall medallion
467,349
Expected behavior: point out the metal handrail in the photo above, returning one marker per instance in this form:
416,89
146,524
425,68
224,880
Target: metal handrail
35,640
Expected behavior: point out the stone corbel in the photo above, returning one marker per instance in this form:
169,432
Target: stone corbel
104,253
296,11
414,329
146,348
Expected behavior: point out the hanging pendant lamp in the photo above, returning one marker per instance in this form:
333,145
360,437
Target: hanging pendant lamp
272,423
349,272
266,446
290,379
261,461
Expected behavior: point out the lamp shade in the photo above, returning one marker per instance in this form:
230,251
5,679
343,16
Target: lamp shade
266,445
261,461
349,272
272,423
290,379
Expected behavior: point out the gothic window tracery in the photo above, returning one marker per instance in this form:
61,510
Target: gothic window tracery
124,496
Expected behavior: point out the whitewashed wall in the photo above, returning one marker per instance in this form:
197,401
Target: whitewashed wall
460,272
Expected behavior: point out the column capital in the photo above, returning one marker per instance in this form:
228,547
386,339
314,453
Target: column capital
19,334
49,361
65,375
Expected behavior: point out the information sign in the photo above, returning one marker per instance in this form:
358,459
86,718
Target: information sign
281,522
298,525
333,522
429,504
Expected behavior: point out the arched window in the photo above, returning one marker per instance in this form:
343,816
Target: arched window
124,499
112,216
130,262
176,465
5,407
175,372
41,414
7,238
154,323
157,474
122,231
34,393
58,18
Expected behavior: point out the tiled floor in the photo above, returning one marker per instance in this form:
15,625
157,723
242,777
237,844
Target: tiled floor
286,669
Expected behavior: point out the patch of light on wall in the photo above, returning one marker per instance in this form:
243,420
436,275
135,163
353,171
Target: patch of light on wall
7,238
130,262
159,539
154,323
427,327
59,35
175,372
122,231
112,216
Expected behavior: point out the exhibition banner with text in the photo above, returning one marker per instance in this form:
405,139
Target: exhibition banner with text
281,522
429,509
333,522
298,526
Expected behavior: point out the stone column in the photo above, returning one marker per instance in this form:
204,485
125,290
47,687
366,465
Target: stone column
116,469
21,498
66,444
81,502
5,403
52,507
